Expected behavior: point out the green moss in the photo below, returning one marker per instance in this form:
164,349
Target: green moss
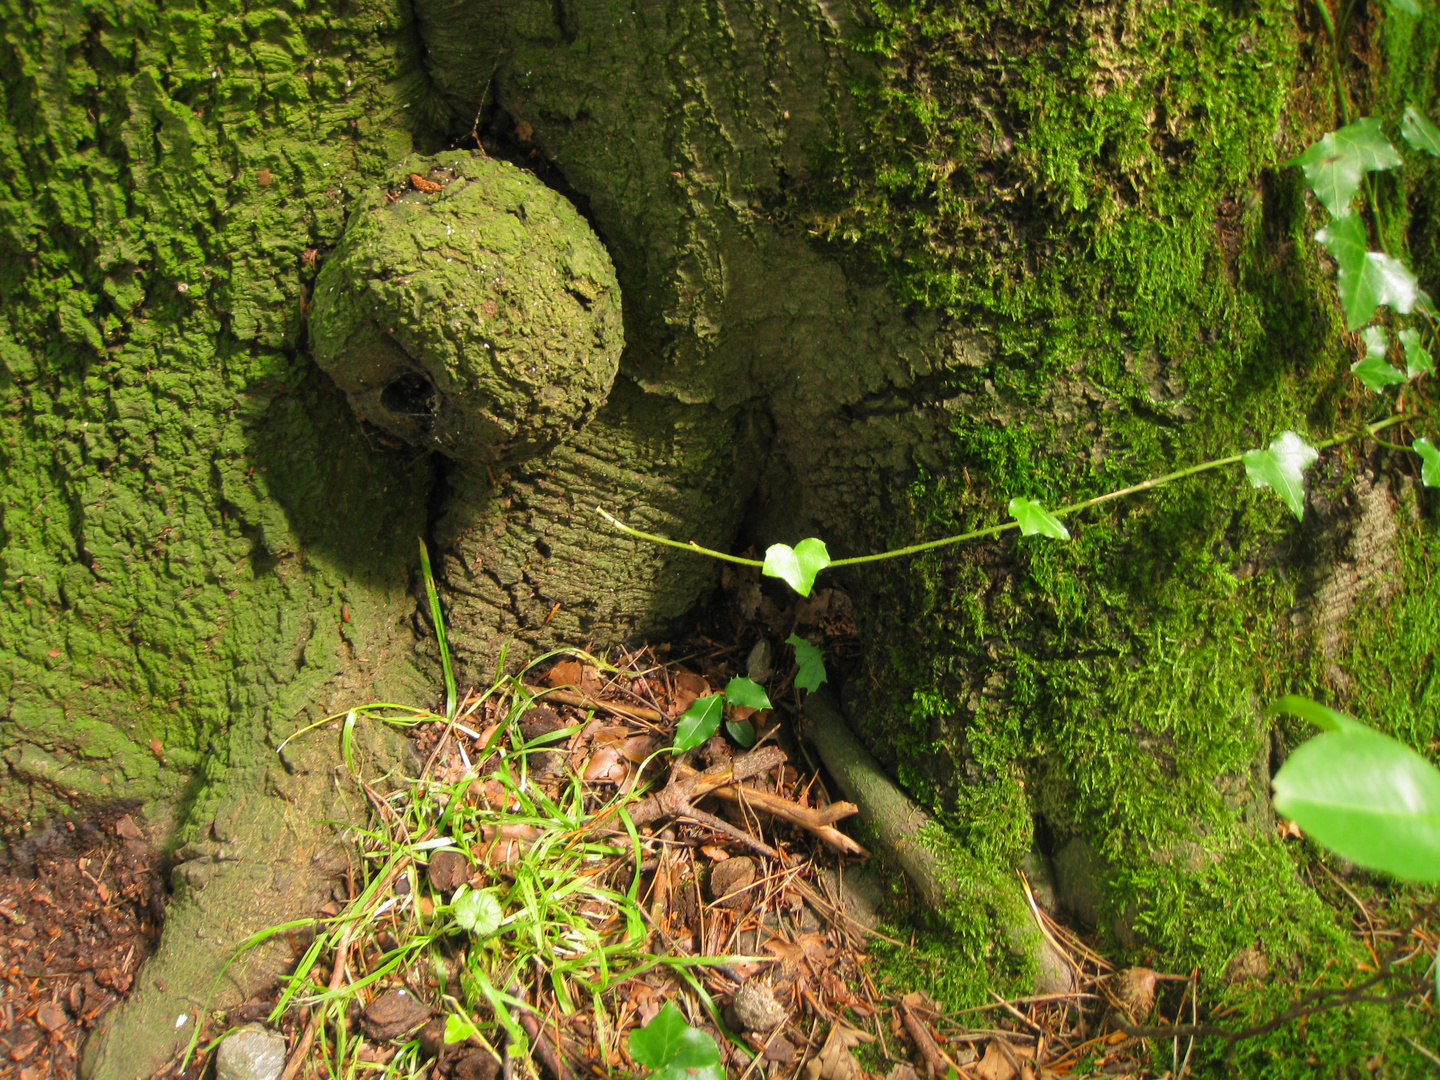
195,536
1101,192
481,319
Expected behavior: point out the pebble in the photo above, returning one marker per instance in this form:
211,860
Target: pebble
251,1053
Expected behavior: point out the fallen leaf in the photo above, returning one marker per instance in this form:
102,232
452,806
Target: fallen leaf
688,687
51,1017
996,1064
606,766
564,673
523,131
835,1061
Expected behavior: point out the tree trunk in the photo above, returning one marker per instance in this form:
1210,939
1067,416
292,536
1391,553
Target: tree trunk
880,274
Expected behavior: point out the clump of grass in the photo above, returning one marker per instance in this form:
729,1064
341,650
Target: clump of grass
546,923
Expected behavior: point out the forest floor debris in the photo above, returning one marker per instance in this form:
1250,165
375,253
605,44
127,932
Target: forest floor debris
552,876
80,907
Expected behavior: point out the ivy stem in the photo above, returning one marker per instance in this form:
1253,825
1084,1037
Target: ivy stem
1368,430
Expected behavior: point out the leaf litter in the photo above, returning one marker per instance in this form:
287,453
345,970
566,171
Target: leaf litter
553,878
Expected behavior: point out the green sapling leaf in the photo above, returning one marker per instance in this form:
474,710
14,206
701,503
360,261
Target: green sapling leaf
796,566
739,691
1336,164
1367,278
1034,518
478,911
459,1028
1323,717
1429,462
1419,132
1407,7
1281,466
812,667
674,1050
1369,798
1417,357
741,732
1374,371
699,722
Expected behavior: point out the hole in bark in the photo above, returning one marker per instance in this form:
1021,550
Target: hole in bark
409,395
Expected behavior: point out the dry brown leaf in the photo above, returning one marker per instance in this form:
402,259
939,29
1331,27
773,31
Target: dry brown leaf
996,1064
637,748
564,673
835,1060
688,687
809,610
606,766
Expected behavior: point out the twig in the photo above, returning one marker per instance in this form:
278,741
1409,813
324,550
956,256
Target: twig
585,701
307,1037
1016,1013
937,1062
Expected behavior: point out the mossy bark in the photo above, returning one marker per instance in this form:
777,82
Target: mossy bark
881,270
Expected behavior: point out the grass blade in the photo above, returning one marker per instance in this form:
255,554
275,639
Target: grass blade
438,618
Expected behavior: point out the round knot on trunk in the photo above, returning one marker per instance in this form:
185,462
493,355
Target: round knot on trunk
475,312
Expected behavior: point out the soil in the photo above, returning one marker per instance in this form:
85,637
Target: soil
81,903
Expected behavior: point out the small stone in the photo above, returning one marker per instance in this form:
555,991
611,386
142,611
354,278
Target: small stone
448,870
476,1065
251,1053
755,1007
126,829
392,1015
539,722
730,881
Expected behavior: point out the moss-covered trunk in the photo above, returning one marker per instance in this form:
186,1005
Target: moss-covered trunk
882,270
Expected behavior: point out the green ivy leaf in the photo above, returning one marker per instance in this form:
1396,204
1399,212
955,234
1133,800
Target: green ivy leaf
1367,279
1034,518
745,692
1374,371
1407,7
1367,797
796,566
459,1028
741,732
1419,132
674,1050
1323,717
812,667
699,722
1417,358
1336,164
1429,462
1281,466
478,911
